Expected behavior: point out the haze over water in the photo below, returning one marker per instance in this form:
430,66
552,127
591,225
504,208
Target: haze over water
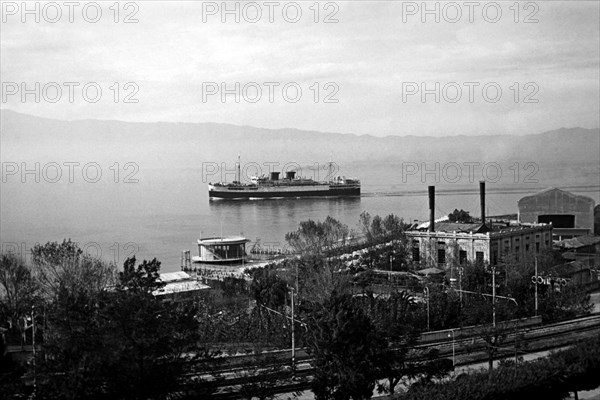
168,210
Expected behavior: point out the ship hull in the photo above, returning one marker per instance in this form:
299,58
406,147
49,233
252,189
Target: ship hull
289,192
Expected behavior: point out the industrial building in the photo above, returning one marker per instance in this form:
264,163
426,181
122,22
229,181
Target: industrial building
443,243
571,215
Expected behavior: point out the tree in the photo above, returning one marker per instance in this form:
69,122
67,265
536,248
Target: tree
378,230
120,342
364,224
65,265
346,348
318,237
444,308
268,289
393,226
396,319
11,385
151,335
18,292
552,377
460,216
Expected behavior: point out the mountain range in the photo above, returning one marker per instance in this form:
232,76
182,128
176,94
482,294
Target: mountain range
27,138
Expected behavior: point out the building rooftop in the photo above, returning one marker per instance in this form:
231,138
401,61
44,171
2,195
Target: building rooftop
477,228
181,287
580,241
456,227
174,276
556,193
223,240
178,282
569,268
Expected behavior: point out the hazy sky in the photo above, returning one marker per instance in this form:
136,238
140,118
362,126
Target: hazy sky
375,61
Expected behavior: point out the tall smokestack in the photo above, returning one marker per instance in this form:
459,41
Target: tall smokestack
482,200
431,208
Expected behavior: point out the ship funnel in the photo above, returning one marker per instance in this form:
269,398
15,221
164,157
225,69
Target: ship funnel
274,176
290,175
431,208
482,200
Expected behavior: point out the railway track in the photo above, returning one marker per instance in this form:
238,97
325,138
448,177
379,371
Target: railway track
274,366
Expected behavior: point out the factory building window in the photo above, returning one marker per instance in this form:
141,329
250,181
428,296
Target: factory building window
441,256
479,257
462,257
416,254
537,247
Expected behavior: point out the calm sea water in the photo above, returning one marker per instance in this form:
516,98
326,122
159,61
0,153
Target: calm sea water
167,211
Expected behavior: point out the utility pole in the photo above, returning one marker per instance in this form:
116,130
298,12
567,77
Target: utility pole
426,290
33,349
516,352
293,339
460,271
390,277
494,296
536,288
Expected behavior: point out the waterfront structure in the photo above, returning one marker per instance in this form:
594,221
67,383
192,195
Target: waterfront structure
231,249
571,215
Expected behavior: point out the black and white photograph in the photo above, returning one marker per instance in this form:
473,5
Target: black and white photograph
309,199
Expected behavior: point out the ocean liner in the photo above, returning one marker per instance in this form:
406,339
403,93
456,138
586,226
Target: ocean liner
289,186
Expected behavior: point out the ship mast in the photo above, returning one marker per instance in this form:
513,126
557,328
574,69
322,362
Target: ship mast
238,176
330,167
